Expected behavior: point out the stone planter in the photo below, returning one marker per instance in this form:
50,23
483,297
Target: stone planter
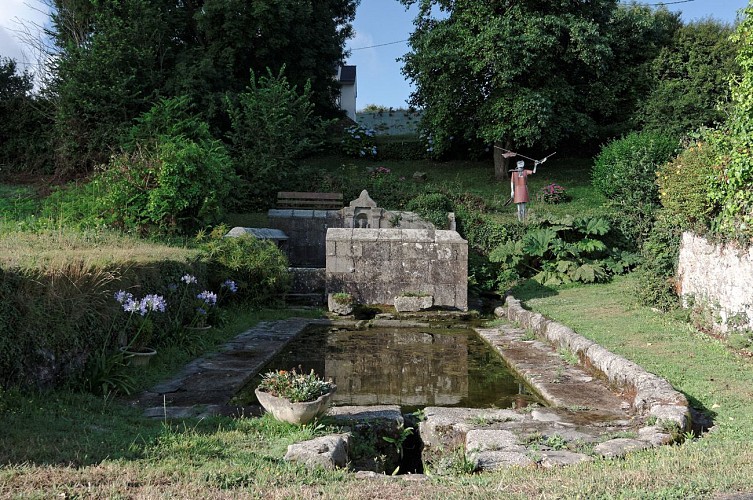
294,413
138,356
341,307
413,303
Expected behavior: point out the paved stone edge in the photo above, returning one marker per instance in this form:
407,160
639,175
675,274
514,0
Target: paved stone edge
654,396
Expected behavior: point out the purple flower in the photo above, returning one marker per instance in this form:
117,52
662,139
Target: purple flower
209,298
152,303
230,285
121,296
188,279
131,306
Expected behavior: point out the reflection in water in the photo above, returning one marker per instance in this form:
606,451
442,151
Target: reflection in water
394,367
412,368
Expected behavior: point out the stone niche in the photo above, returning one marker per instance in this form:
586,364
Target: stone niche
377,265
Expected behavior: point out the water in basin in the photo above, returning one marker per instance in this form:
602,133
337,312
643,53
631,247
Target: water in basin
410,367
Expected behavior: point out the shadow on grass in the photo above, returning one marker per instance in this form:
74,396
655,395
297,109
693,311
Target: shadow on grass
531,289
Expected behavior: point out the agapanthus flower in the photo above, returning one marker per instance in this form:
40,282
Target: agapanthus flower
209,298
132,306
121,296
152,302
230,285
188,279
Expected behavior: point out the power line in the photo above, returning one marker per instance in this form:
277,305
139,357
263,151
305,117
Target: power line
380,45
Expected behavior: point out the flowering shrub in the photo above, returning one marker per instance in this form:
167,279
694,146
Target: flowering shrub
138,329
358,142
293,386
197,309
553,194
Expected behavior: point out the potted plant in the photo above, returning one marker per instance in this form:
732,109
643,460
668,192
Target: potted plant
293,397
137,330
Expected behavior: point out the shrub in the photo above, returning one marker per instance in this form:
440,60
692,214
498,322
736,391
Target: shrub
433,207
685,183
258,267
272,126
175,185
358,142
553,194
656,275
400,148
625,172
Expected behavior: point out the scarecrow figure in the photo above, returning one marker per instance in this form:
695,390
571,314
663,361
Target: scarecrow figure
519,187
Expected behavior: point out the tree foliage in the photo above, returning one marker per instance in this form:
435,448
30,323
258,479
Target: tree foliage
116,57
272,125
690,79
24,141
523,73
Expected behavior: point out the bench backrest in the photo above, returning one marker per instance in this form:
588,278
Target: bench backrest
313,201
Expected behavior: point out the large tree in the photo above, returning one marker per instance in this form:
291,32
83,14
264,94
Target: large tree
520,73
116,57
690,79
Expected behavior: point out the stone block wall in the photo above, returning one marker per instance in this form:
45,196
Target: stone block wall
376,265
306,231
717,277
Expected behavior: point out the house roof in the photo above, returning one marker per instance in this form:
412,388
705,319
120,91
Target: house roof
347,74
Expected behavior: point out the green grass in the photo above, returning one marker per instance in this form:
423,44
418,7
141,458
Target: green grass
64,443
88,446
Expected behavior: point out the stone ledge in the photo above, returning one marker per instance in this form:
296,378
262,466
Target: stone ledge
654,396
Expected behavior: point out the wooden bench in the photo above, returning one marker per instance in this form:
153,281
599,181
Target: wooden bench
311,201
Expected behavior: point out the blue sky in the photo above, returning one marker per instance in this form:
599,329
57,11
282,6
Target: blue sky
384,21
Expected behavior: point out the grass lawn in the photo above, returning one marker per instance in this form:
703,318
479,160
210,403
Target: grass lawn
71,444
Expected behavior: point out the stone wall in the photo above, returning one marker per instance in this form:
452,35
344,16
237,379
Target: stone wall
376,265
718,278
306,231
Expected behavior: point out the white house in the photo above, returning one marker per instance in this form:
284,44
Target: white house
346,77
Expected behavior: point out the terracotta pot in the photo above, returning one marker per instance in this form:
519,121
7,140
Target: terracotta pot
294,413
138,356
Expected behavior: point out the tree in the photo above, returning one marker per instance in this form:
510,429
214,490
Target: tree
23,123
115,58
690,79
108,70
519,73
273,124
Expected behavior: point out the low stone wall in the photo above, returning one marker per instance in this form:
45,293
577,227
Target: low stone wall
654,396
719,278
376,265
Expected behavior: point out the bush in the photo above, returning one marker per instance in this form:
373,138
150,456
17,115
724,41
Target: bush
258,267
685,183
272,126
400,148
175,185
625,172
358,142
656,276
433,207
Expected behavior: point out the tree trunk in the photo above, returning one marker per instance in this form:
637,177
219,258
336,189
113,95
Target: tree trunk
501,164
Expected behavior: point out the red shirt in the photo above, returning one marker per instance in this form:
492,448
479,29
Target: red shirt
520,185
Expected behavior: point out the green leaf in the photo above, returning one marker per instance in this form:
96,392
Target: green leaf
597,226
537,242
